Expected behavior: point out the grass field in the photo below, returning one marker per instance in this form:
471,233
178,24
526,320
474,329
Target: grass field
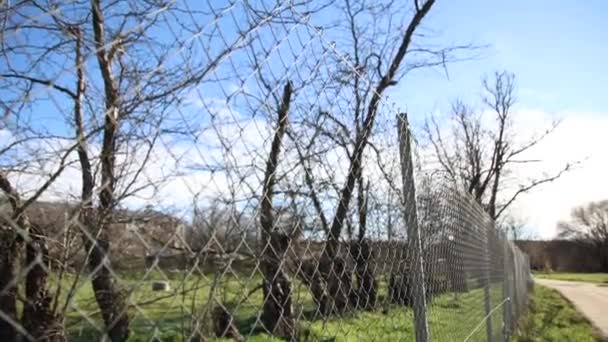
552,318
167,316
585,277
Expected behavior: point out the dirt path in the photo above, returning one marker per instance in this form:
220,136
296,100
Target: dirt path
590,299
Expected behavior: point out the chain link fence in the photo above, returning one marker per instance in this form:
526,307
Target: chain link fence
195,171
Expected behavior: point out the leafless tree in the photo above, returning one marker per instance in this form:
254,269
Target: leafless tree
117,114
380,74
278,316
220,225
38,320
480,157
588,224
373,44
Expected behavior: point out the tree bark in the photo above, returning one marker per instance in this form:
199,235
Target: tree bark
399,287
309,273
38,319
10,251
108,295
365,295
223,324
277,315
367,285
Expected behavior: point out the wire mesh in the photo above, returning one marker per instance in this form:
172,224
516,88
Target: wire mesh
473,269
205,170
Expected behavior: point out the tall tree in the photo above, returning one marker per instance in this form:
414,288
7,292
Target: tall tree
278,316
480,156
381,82
375,50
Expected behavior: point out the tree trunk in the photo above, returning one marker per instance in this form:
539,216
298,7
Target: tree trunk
309,274
38,318
339,286
399,287
10,255
109,296
277,315
10,249
223,324
366,293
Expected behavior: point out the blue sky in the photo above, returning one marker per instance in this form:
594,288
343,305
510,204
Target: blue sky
557,49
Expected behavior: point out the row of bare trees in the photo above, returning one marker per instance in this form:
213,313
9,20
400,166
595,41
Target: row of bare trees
102,92
373,64
114,110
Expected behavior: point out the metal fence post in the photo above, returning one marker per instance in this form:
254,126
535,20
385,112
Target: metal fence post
411,220
506,263
515,283
487,285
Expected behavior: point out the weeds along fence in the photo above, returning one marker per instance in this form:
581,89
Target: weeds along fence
196,171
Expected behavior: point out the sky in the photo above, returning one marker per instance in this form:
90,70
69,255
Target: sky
557,50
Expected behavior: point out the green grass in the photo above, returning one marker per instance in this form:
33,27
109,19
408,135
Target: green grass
454,318
552,318
584,277
167,316
450,318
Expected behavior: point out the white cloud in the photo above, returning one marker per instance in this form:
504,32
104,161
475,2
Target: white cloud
580,137
5,137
